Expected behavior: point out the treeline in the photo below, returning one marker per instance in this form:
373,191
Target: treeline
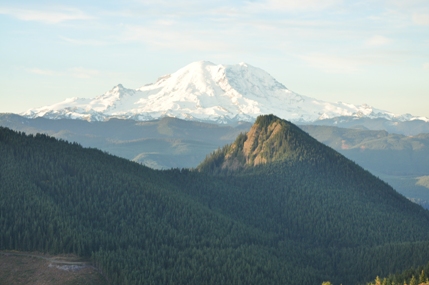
413,276
298,221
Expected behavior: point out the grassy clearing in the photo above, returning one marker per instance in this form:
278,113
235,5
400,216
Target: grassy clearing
18,268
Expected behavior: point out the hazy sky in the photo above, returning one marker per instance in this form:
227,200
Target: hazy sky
369,51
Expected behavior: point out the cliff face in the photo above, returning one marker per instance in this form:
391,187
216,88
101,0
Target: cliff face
270,139
264,143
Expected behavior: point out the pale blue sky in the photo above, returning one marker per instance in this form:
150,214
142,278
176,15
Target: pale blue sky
374,52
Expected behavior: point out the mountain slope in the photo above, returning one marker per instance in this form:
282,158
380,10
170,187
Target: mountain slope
270,139
204,91
296,219
379,151
162,144
291,158
133,221
408,125
397,159
173,143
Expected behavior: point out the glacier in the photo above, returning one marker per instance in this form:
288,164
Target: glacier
204,91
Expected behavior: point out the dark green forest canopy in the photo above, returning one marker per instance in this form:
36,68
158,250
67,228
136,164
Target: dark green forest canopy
412,276
299,219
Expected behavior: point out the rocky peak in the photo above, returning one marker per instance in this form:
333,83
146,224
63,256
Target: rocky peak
270,139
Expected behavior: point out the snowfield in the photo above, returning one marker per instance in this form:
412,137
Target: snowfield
205,91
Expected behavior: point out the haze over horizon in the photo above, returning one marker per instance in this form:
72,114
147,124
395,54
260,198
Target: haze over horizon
372,52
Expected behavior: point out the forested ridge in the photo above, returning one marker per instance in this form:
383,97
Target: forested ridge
411,276
291,221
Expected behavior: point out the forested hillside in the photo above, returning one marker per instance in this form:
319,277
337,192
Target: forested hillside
400,160
383,152
412,276
161,144
173,143
304,216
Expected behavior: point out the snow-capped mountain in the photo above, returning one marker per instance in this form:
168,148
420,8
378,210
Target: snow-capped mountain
208,92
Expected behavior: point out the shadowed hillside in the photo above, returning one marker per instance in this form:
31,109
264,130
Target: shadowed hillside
275,207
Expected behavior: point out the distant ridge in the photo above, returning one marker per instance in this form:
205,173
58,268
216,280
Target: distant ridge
204,91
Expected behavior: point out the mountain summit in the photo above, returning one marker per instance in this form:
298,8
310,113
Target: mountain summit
270,139
204,91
